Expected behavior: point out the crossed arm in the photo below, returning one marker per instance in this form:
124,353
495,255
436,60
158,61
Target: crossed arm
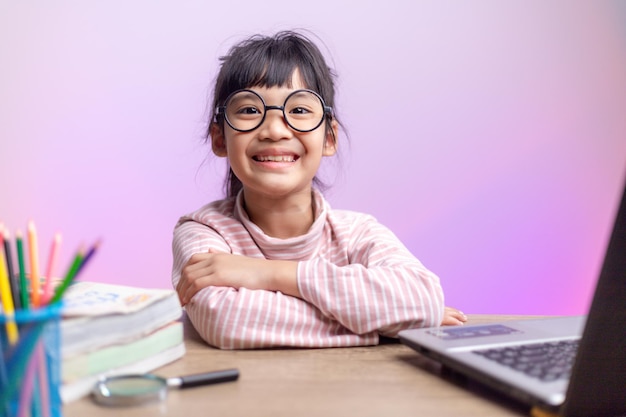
382,293
221,269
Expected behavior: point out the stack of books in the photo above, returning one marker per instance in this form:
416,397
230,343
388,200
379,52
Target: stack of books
111,329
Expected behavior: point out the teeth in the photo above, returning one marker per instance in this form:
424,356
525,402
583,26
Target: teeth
276,158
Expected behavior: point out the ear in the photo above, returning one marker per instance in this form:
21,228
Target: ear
330,144
218,141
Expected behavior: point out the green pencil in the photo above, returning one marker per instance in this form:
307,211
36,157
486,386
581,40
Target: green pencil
20,262
69,277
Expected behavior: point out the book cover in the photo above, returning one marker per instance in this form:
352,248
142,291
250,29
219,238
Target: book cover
97,298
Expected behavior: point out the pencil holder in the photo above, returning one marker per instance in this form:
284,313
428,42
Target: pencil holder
30,375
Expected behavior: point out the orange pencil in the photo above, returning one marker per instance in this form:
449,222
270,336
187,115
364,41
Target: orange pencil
52,261
34,265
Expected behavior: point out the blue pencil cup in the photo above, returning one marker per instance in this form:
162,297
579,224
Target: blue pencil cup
30,369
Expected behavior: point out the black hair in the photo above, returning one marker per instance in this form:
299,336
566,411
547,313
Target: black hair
270,61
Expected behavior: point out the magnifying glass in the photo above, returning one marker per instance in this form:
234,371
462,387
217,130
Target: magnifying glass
124,390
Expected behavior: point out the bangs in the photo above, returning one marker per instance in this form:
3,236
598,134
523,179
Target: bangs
271,64
268,73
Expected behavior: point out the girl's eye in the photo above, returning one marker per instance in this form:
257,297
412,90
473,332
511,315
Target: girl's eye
299,110
249,110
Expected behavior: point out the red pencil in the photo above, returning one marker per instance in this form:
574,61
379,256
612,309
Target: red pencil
52,261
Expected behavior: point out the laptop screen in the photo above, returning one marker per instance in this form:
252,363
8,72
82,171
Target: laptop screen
598,382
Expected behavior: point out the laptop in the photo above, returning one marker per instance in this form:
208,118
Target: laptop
529,360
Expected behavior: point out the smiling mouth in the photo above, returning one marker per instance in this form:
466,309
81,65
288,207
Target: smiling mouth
275,158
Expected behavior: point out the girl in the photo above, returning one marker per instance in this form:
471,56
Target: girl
273,264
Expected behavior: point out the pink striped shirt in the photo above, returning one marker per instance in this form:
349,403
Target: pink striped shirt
357,281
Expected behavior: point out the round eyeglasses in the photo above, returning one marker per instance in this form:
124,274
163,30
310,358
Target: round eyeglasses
303,110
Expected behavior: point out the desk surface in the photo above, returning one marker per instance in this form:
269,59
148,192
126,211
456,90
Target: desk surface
385,380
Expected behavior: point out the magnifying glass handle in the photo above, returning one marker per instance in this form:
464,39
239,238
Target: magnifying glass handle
205,378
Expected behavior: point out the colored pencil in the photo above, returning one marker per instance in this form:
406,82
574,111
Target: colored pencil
52,261
69,276
28,384
88,256
7,302
19,242
44,391
13,278
35,294
21,354
4,382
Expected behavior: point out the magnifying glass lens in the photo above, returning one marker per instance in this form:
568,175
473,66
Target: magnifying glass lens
130,390
134,386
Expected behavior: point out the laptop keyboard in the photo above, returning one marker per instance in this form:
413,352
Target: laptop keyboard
549,361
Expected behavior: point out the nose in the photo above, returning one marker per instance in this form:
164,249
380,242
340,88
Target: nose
274,127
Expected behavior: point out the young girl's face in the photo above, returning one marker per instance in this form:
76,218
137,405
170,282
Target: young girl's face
275,160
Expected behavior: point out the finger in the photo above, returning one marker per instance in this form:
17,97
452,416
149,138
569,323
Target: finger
450,311
451,321
183,288
197,258
180,285
213,250
193,284
186,294
461,316
180,290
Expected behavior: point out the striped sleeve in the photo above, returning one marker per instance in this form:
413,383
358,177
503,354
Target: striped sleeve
384,288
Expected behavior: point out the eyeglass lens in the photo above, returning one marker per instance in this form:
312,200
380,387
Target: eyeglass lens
303,110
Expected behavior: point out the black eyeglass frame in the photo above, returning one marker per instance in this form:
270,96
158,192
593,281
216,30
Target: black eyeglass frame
327,110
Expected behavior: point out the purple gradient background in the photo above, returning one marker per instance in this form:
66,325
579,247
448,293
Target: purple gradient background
490,136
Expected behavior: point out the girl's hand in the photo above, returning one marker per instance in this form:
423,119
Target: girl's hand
453,317
220,269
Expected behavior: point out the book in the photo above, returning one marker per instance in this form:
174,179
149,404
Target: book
97,314
110,329
72,391
99,361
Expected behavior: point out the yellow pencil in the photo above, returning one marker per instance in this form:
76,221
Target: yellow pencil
34,265
7,301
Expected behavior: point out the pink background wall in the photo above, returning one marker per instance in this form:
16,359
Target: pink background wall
490,136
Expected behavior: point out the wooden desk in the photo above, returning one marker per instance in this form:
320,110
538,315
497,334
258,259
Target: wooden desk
385,380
